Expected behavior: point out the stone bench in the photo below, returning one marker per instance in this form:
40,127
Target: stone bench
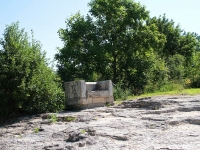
89,94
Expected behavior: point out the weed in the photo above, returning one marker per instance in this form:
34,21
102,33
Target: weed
53,118
108,104
82,131
20,136
36,130
70,118
151,126
120,93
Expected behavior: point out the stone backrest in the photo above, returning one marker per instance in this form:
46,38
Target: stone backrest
89,94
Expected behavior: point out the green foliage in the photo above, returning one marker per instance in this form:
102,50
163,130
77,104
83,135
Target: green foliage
157,75
164,87
36,130
82,131
108,104
176,68
20,136
121,93
178,41
177,55
109,44
193,71
172,33
53,118
70,118
118,40
26,82
171,86
195,82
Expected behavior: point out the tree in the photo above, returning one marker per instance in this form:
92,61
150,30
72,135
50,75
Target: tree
193,71
177,40
113,41
26,82
79,58
176,67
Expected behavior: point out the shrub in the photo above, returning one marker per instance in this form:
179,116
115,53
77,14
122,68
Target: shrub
157,75
195,82
176,67
27,84
120,93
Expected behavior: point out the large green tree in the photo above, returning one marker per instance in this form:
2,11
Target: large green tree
26,82
113,42
178,41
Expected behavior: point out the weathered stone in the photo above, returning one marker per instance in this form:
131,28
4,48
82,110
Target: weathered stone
120,137
175,125
147,103
89,94
75,136
81,144
91,131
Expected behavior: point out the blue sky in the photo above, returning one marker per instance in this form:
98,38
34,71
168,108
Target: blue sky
46,17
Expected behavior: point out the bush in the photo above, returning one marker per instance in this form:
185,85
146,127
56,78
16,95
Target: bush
26,83
176,67
195,82
193,72
120,93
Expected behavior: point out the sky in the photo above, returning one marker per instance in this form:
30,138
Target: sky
46,17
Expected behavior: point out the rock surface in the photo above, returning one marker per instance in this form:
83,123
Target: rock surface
157,123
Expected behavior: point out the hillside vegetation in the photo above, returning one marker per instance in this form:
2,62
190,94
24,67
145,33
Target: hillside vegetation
117,40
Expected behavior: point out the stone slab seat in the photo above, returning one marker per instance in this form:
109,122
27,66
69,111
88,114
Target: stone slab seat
89,94
103,93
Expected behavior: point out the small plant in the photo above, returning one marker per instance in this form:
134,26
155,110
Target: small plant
20,136
120,93
82,131
36,130
108,104
53,118
70,118
151,126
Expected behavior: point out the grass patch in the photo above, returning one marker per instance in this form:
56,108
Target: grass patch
174,92
70,118
192,92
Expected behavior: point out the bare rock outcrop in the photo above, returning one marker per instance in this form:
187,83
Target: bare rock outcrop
153,123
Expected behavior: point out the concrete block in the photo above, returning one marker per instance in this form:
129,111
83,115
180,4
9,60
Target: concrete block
89,94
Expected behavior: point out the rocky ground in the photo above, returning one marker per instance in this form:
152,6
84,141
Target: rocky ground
157,123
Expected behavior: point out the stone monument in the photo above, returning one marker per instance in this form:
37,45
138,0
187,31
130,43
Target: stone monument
89,94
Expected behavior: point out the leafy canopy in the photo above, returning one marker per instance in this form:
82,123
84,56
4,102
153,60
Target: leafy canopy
26,82
112,42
